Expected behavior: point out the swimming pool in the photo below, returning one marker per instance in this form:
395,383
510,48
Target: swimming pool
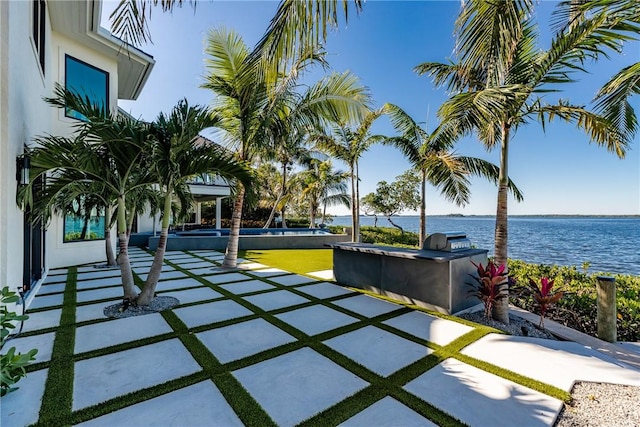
250,238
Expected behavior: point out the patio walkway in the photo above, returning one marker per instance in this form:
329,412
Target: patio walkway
261,346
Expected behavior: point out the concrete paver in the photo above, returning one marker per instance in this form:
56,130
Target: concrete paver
42,342
192,295
388,412
297,385
186,282
166,275
98,274
102,378
324,290
269,272
275,300
196,263
366,305
99,283
114,292
118,331
41,320
316,319
292,279
226,278
91,311
211,312
379,351
323,274
481,399
205,403
429,328
558,363
52,288
47,301
243,339
239,288
19,409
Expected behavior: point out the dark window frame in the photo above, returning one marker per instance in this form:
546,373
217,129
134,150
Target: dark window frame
67,58
38,27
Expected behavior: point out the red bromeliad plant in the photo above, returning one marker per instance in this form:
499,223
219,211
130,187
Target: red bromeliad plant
491,285
543,296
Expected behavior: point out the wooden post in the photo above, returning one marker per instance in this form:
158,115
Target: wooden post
606,297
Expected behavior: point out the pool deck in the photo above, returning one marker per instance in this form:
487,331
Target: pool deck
261,346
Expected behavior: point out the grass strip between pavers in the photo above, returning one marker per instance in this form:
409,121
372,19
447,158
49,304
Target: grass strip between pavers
57,399
243,404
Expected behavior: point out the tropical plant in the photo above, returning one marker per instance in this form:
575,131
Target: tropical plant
502,77
433,157
249,106
12,364
176,154
108,149
490,285
348,144
323,186
296,27
543,296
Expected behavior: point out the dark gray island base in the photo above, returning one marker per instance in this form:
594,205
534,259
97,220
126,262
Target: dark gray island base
432,279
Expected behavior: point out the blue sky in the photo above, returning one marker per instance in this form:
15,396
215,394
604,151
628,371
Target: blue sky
559,171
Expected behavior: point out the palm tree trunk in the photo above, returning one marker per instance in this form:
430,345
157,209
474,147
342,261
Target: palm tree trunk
111,259
356,226
284,222
132,215
500,310
123,257
273,213
149,290
231,254
312,215
324,213
353,205
423,208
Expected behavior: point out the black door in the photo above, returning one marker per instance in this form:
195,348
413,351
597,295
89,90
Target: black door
34,244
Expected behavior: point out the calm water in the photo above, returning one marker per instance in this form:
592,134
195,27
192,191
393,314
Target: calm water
610,245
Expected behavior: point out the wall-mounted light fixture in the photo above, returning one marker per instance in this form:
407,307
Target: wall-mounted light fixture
23,168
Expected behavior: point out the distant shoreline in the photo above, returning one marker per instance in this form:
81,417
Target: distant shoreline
510,216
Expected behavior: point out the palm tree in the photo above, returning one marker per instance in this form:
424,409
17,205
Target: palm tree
501,80
321,187
248,105
349,144
297,26
175,157
433,157
112,159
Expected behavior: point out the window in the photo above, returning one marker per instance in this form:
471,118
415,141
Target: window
84,220
39,15
86,80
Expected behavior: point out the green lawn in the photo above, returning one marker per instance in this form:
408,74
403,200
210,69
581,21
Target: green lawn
299,261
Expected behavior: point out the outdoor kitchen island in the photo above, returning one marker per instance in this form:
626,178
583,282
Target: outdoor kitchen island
432,278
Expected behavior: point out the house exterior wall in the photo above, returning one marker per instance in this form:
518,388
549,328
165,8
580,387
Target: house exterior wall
22,116
74,253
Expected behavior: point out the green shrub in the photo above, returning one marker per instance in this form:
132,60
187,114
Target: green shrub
11,364
578,307
298,222
388,236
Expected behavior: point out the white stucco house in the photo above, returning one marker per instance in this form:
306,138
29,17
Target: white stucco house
43,42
